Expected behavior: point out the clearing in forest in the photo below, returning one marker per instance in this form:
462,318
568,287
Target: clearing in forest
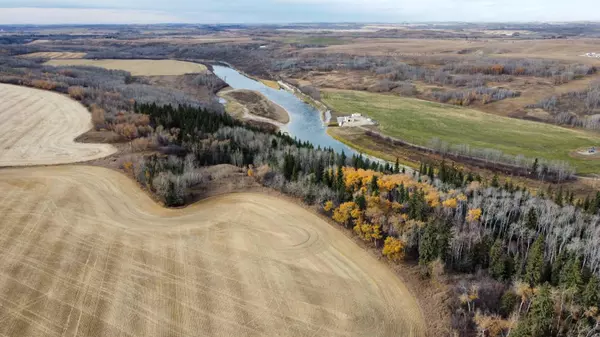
138,67
85,252
38,127
417,121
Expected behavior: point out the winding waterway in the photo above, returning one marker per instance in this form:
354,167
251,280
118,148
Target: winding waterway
305,120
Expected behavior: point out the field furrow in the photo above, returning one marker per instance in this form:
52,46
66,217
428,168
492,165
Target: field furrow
38,128
84,252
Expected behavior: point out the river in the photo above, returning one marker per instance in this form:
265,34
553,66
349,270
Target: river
305,120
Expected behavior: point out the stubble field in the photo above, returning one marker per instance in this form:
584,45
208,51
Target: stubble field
55,55
37,127
137,67
84,252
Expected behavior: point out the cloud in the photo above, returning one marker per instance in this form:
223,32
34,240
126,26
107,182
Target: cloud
286,11
36,15
458,10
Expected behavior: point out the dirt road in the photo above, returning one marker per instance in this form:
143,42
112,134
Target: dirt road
84,252
37,127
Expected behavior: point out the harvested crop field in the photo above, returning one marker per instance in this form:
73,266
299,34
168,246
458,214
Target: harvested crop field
85,252
138,67
55,55
38,127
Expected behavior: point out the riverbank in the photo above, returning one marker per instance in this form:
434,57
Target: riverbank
320,106
253,104
306,121
355,138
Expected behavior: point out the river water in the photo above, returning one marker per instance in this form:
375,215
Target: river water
305,120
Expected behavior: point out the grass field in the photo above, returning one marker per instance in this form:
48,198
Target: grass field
418,121
138,67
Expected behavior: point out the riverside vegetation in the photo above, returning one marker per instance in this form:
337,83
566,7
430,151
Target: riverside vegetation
535,256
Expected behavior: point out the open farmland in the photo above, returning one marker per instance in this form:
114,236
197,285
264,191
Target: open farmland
85,252
418,121
37,127
55,55
566,50
138,67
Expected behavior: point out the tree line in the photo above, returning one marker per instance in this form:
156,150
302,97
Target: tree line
535,255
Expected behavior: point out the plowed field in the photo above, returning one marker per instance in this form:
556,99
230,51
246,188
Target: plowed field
37,127
84,252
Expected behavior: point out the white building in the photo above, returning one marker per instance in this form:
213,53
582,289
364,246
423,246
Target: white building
354,120
595,55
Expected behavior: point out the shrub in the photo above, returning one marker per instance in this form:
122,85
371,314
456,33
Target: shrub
76,92
98,117
127,130
141,144
43,84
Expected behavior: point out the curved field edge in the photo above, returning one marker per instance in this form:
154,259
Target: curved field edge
38,127
417,121
101,258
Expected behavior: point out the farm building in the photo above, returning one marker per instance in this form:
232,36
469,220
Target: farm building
355,119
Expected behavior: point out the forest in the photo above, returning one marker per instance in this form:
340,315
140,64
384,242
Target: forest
575,108
535,257
518,263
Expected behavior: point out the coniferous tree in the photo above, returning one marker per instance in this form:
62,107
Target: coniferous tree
532,220
571,198
590,296
361,202
534,272
495,182
430,173
541,314
374,187
559,197
571,276
498,261
508,302
595,206
401,193
427,245
557,269
470,178
586,203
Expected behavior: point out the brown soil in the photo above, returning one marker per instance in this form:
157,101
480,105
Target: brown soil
37,127
86,252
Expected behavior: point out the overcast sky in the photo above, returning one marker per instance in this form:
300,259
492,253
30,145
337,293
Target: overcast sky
283,11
